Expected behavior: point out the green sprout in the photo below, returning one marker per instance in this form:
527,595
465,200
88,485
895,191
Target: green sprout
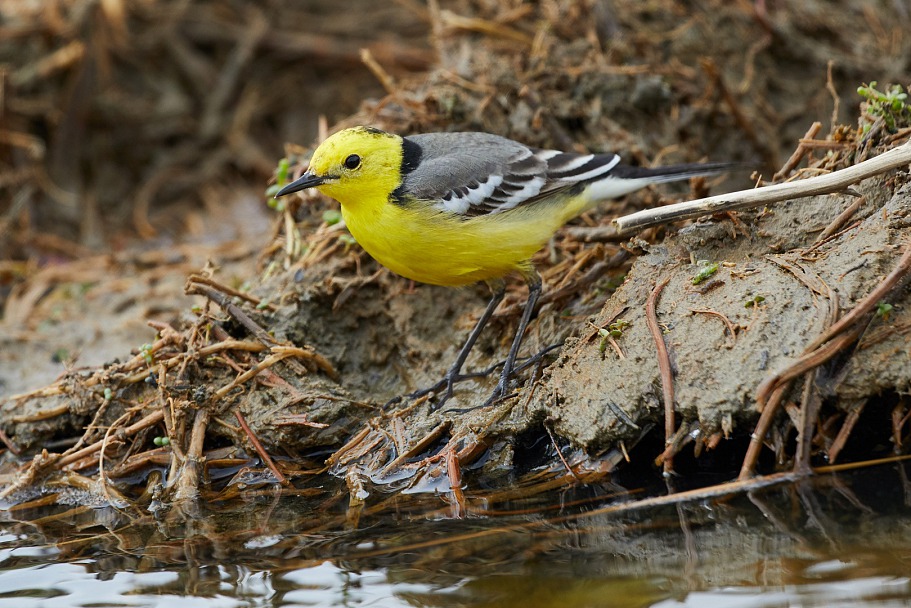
347,239
332,216
707,271
755,301
884,310
108,394
146,351
605,338
161,441
890,105
281,178
616,328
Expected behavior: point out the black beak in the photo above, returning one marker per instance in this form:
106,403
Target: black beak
307,180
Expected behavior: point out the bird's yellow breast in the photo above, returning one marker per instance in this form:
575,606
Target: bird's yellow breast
432,246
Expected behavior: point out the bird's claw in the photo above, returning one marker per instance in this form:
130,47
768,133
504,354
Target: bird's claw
449,381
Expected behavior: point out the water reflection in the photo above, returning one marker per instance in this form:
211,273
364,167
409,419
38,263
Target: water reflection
836,541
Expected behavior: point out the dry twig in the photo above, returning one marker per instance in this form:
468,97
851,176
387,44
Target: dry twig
745,199
664,366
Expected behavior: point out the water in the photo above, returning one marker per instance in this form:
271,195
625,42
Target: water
840,540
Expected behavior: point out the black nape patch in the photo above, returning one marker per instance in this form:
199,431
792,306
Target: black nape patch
411,156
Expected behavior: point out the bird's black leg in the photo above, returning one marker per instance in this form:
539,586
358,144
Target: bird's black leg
534,292
454,374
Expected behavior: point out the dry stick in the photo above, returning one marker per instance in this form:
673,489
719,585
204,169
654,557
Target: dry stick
225,304
720,315
836,98
306,353
745,199
871,300
188,483
204,280
102,475
484,26
261,334
260,449
594,234
378,71
841,220
799,152
553,442
472,451
807,420
421,445
813,357
771,390
842,438
262,365
150,420
454,471
12,447
664,367
759,432
823,144
336,456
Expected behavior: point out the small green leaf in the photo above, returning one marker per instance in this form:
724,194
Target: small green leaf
884,310
281,172
705,273
332,216
605,334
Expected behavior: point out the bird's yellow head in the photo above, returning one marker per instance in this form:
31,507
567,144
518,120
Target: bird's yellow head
356,166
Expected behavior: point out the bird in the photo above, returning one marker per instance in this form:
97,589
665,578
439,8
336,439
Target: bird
455,208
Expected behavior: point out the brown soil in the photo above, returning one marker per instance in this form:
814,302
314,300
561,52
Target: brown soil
656,82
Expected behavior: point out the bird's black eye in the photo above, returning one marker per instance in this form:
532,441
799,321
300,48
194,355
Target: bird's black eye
353,161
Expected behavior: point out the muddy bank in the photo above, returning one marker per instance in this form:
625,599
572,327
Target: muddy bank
305,363
292,373
777,287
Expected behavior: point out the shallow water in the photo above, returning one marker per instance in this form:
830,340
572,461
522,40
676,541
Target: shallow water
838,540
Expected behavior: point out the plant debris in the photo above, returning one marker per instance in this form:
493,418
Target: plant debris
268,386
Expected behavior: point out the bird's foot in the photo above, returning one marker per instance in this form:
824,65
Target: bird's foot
448,382
500,393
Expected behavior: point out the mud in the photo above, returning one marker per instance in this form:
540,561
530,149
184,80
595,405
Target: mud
598,398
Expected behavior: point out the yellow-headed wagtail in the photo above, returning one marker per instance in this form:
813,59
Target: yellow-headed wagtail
456,208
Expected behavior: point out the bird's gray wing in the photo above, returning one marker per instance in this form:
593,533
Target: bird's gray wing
474,174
